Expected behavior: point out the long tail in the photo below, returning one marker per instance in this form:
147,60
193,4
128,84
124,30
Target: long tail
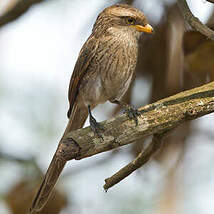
77,119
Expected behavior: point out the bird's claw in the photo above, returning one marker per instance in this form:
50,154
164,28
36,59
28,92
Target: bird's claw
132,114
96,127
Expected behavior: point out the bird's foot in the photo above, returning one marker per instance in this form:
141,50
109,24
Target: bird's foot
132,113
96,127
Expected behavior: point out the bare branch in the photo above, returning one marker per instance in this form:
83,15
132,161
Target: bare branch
141,159
211,1
20,8
156,118
193,21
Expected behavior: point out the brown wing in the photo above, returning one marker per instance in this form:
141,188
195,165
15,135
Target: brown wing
85,57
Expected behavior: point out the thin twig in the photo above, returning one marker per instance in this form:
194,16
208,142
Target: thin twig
193,21
211,1
19,9
25,161
141,159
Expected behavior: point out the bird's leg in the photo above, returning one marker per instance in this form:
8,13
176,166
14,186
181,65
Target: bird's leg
131,112
95,126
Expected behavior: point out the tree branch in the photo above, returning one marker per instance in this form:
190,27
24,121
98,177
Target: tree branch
193,21
139,161
20,8
211,1
156,118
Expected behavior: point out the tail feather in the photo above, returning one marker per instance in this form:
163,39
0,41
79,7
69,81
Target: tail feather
48,184
77,119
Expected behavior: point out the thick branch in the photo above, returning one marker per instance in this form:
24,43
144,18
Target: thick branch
193,21
156,118
20,8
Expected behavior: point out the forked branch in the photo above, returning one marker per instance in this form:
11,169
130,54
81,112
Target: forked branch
156,118
193,21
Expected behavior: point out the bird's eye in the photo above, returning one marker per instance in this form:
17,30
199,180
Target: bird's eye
130,21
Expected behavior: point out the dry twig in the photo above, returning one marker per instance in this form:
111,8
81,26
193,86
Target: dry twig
156,118
19,9
139,161
193,21
211,1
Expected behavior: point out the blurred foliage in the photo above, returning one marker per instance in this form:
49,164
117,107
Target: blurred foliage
21,195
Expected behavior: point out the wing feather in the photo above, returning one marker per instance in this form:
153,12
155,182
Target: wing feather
86,55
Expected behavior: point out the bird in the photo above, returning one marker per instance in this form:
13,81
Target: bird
103,72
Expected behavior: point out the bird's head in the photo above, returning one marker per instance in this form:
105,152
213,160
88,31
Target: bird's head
122,17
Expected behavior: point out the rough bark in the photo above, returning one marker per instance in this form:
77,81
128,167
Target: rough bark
156,118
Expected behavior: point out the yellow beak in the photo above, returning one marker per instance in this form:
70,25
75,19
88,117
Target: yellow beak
147,28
